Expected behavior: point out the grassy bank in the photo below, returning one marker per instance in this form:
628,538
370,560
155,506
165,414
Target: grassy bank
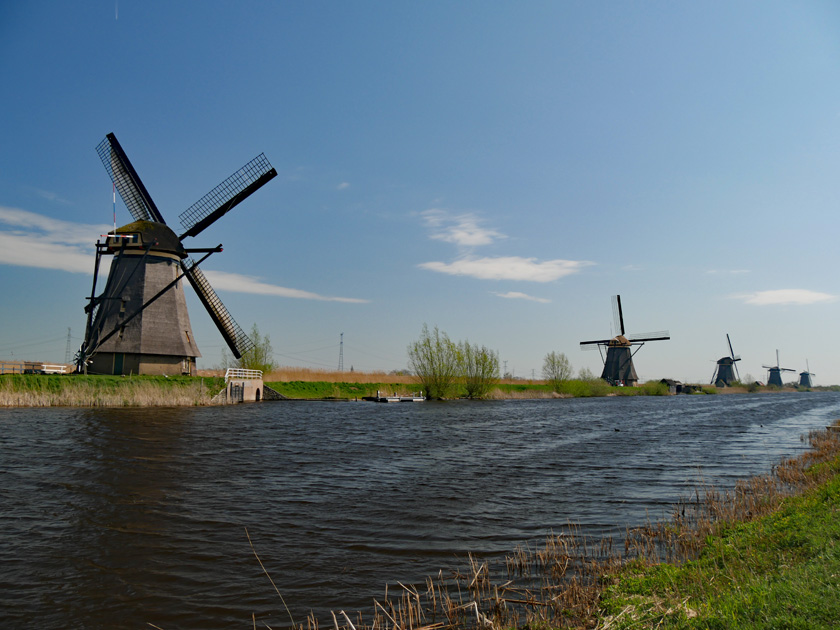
36,390
780,570
763,555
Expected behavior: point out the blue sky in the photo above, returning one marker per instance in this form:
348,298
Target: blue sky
495,169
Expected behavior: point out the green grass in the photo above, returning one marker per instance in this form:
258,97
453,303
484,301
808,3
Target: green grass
314,390
780,571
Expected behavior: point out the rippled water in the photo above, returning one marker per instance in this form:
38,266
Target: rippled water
117,518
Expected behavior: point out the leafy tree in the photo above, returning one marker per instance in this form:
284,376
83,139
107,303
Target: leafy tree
434,360
556,369
260,357
479,368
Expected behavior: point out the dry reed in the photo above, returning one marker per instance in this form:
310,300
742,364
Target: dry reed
87,394
558,583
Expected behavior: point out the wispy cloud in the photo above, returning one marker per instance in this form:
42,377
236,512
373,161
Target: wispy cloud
343,186
508,268
28,239
223,280
729,271
516,295
464,230
785,296
51,196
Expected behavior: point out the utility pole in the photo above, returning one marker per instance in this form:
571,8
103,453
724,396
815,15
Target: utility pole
68,351
341,354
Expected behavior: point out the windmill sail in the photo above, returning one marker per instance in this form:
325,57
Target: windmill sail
226,195
618,363
235,337
132,191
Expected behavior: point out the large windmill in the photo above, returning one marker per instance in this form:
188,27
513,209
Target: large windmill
726,370
618,362
139,323
805,379
775,375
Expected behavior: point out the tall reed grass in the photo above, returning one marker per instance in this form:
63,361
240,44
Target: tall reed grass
557,584
97,391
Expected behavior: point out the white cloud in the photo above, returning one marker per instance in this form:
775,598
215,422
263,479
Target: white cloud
516,295
786,296
28,239
509,268
249,284
343,185
463,229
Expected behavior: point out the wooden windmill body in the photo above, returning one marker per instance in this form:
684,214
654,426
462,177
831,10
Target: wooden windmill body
726,372
139,324
805,379
774,376
617,352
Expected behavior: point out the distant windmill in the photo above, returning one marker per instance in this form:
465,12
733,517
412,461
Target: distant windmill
775,376
805,379
726,370
618,363
139,323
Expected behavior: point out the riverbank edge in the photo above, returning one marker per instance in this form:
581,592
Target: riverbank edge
780,570
35,390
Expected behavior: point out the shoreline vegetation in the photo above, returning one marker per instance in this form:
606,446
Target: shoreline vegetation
762,555
75,390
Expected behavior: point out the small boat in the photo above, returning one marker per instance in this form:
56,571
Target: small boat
392,399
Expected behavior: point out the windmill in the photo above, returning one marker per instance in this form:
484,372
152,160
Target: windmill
726,370
139,323
805,379
775,376
618,363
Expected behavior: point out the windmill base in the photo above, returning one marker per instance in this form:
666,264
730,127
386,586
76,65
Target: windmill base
154,364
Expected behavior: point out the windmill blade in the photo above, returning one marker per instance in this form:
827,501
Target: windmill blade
731,351
592,345
132,191
236,339
736,358
652,336
235,189
618,316
737,373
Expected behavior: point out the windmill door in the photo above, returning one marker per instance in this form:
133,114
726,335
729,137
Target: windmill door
118,363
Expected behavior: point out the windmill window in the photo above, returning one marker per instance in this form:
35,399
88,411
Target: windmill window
122,330
187,333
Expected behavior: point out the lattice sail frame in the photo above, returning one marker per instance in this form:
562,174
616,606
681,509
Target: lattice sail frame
226,195
237,339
